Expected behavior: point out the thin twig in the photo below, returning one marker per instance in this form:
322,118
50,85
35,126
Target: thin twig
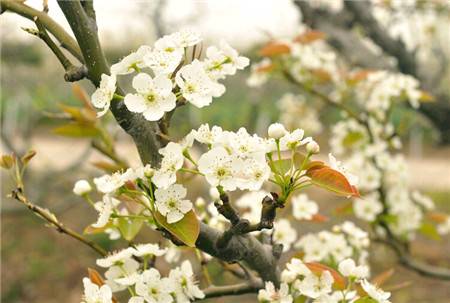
54,28
51,218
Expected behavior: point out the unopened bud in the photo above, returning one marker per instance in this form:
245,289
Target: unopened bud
276,131
81,187
214,193
312,147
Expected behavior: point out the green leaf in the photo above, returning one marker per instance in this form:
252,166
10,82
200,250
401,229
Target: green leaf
76,130
281,166
332,180
388,218
366,300
186,230
352,138
129,228
7,161
429,230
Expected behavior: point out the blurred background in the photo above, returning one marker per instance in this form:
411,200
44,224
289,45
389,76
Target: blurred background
40,265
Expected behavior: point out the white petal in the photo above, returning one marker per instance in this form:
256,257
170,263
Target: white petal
153,114
142,83
174,216
135,103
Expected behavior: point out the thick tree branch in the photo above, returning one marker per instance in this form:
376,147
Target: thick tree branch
346,42
362,13
232,290
246,248
53,221
84,28
54,28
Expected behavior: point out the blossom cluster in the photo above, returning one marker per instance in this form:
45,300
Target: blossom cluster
293,106
366,138
319,284
331,247
144,284
168,75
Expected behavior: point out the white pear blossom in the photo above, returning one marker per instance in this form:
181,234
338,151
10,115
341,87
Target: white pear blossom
116,258
271,295
105,209
291,141
153,288
95,294
444,228
283,233
206,135
294,269
374,292
314,286
131,63
196,86
368,207
223,61
103,95
348,268
136,299
149,249
303,208
109,183
154,96
82,187
118,277
163,63
219,168
171,162
170,202
186,287
186,37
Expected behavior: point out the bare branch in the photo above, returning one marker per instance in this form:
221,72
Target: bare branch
51,218
54,28
73,73
232,290
411,263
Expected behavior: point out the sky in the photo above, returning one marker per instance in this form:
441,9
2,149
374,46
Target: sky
241,23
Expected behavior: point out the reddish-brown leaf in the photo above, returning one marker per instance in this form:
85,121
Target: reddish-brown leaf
319,218
274,49
95,277
310,36
437,217
318,268
332,180
382,277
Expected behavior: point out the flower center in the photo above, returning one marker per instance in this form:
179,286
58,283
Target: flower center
151,98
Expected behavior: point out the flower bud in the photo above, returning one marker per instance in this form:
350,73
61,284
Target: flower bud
276,131
81,187
312,147
148,171
214,193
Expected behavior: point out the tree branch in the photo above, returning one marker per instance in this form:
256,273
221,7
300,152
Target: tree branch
73,73
232,290
54,28
51,218
411,263
142,131
362,13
